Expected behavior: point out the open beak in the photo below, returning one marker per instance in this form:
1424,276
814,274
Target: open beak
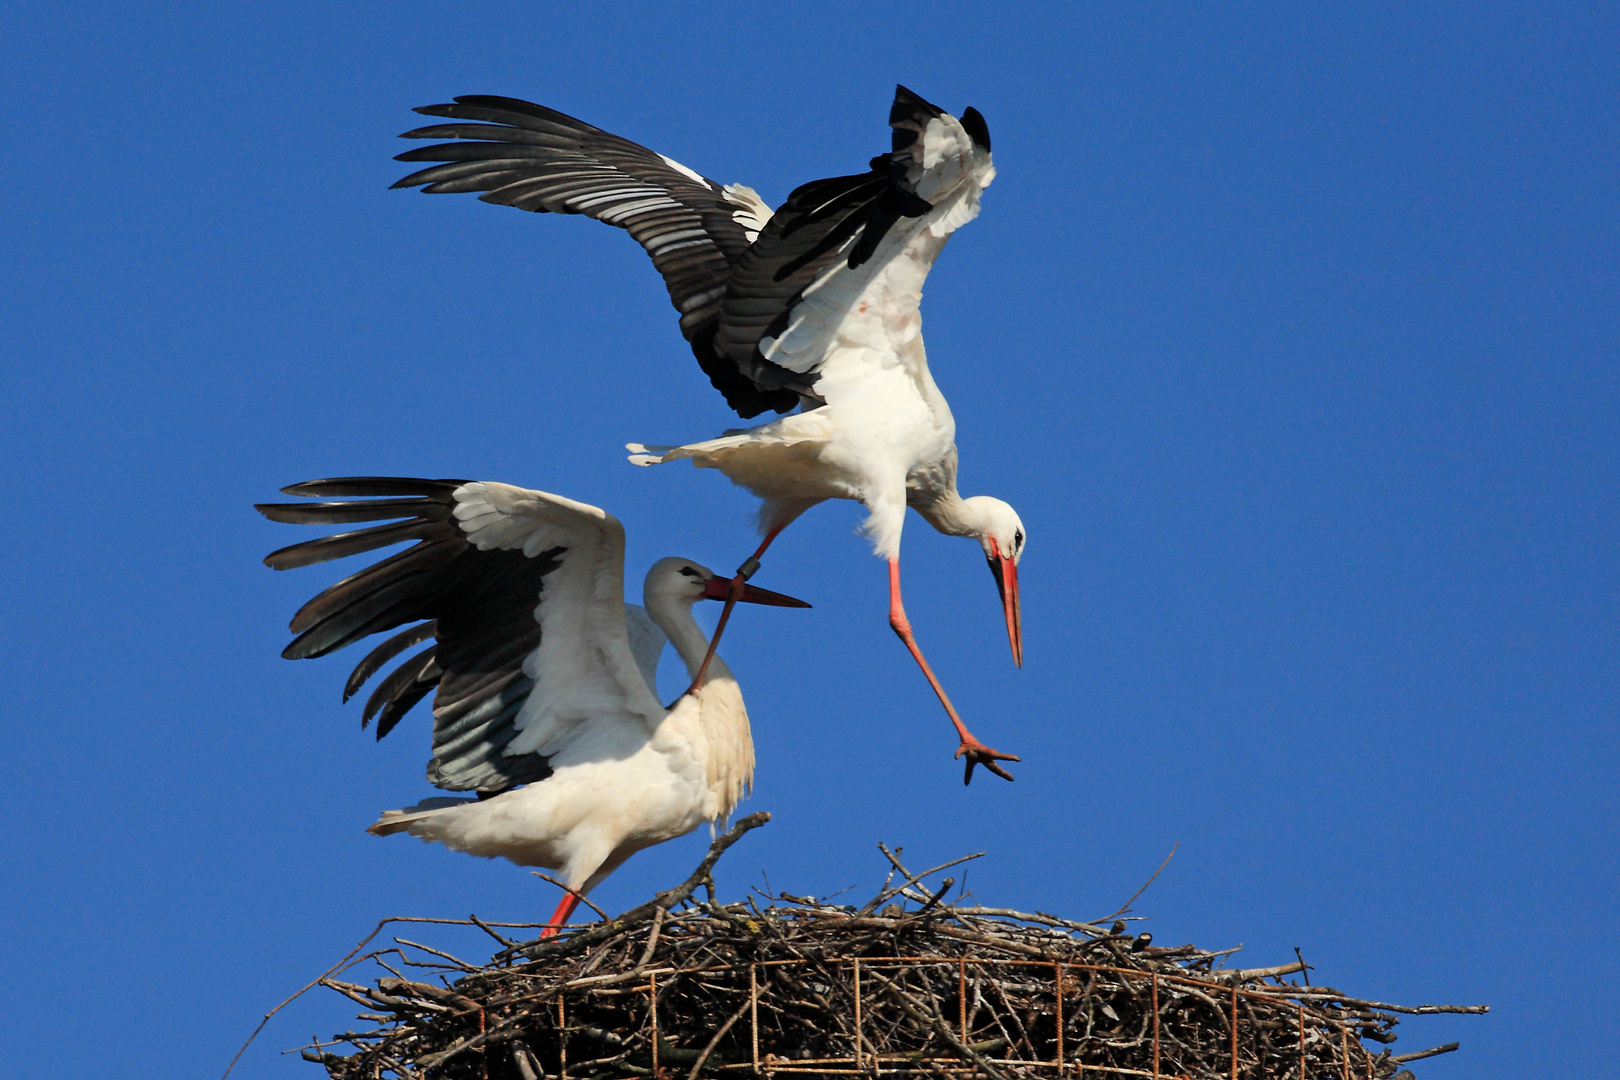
1006,574
717,587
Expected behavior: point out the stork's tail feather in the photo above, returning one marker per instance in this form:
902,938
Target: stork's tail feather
394,821
642,454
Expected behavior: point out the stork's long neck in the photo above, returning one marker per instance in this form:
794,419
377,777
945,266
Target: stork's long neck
674,618
950,514
715,722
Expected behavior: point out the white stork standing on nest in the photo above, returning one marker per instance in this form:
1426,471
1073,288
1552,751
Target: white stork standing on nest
814,306
546,699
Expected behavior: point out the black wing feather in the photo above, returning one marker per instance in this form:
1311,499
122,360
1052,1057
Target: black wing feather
343,487
517,153
340,545
385,652
403,688
392,576
479,607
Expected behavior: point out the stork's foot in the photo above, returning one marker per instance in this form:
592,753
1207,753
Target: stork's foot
979,754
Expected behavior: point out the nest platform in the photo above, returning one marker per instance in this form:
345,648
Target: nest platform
904,985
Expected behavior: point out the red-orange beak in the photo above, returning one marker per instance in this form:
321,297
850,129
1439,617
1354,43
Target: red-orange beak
1006,574
717,588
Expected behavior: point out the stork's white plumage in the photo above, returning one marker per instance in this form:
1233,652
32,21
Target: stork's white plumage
815,306
546,701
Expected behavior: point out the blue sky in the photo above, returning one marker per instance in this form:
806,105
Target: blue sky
1290,333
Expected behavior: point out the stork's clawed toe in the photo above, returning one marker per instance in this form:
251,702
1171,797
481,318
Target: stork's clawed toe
979,754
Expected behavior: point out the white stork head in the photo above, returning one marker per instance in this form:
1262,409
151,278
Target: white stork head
681,581
1001,534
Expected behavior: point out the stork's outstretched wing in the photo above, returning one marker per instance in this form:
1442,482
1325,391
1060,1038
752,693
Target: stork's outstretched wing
534,158
522,592
760,295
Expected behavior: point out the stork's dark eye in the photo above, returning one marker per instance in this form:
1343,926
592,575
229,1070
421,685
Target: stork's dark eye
689,572
1018,539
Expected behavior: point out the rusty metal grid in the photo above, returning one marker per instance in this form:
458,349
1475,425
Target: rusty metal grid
863,1063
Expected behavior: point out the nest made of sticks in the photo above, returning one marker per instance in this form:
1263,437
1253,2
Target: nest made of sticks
687,988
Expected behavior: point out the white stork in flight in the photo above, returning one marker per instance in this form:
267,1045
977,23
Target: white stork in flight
813,307
544,679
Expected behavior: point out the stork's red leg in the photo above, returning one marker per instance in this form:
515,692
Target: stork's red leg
560,917
733,594
977,753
